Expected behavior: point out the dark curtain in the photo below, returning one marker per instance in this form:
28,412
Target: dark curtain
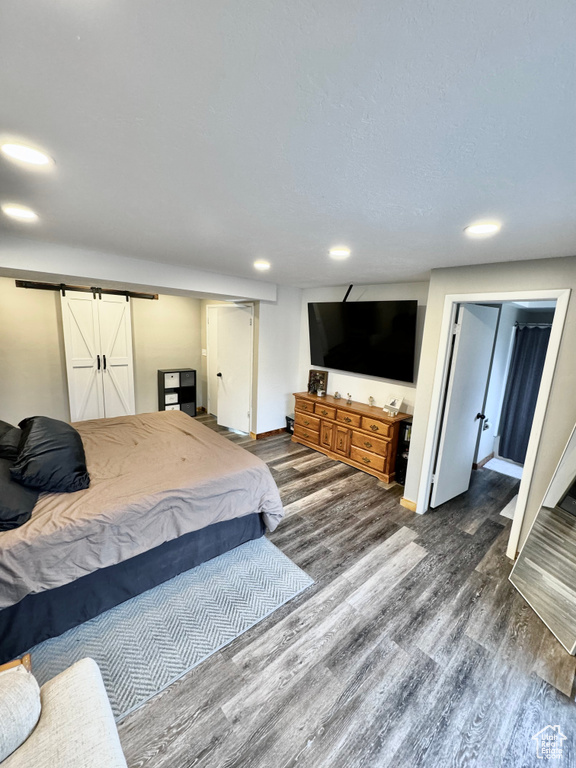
530,345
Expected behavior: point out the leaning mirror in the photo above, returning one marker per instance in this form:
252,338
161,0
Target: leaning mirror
545,572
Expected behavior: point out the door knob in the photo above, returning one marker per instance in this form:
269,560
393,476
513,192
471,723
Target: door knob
480,416
219,374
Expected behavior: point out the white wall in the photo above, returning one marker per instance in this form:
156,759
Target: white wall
33,259
561,411
32,363
276,359
362,387
166,334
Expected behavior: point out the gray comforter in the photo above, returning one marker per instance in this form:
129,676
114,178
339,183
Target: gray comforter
154,477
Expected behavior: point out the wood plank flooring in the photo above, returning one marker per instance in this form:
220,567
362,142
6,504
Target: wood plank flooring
412,649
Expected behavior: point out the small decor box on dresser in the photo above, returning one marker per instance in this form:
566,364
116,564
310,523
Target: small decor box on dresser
357,434
177,390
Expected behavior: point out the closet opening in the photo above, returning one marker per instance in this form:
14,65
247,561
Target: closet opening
493,379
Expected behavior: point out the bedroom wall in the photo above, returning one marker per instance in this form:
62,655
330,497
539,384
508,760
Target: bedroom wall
166,334
561,411
276,360
32,365
362,387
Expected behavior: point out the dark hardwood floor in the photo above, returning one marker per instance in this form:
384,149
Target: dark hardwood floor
412,649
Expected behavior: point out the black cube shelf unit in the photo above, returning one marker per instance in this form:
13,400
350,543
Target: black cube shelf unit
177,390
404,437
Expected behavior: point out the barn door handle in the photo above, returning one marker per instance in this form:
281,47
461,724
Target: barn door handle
98,358
480,416
219,374
104,359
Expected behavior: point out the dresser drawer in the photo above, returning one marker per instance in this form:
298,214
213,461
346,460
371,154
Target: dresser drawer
325,410
306,434
310,422
369,443
375,426
367,459
350,419
304,405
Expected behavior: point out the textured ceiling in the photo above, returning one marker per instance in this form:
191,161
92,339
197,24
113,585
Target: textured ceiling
211,133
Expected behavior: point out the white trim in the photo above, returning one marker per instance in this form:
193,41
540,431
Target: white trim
562,297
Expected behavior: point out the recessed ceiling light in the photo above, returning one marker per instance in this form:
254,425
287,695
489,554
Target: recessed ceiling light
483,229
19,212
24,154
262,265
339,252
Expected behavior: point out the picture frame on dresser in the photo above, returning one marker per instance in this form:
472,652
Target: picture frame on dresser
317,381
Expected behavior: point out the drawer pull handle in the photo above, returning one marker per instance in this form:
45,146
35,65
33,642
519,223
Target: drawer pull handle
366,460
374,428
306,422
367,444
347,419
324,413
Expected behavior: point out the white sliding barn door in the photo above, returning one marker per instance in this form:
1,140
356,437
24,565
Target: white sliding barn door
98,343
82,343
117,363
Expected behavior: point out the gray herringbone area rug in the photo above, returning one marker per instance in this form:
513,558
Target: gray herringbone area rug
148,642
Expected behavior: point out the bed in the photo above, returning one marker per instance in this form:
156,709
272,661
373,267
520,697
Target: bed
166,494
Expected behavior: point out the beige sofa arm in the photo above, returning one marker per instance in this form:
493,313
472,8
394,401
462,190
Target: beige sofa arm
76,728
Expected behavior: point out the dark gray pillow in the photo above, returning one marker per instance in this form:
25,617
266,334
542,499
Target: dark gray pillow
50,457
9,440
16,501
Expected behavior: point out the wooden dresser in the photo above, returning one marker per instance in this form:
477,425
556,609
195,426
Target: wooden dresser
360,435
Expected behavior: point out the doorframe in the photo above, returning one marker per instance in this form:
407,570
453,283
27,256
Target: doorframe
250,305
451,302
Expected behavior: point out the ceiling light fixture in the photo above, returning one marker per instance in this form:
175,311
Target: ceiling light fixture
24,154
339,252
262,265
483,230
19,212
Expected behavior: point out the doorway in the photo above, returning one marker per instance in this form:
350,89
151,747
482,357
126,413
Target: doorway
441,399
229,349
496,364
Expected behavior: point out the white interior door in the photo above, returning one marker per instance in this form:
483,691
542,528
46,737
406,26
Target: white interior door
470,366
212,358
83,359
116,349
233,356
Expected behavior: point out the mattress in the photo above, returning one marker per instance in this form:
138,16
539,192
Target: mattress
154,477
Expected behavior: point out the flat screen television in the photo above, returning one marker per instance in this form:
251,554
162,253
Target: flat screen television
374,338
